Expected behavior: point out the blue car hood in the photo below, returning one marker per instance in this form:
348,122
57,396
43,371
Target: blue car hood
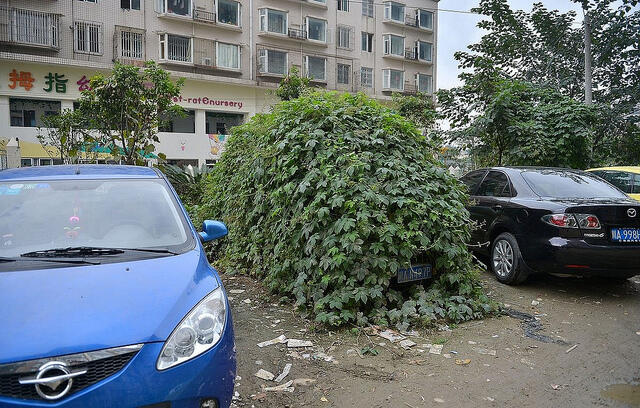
49,312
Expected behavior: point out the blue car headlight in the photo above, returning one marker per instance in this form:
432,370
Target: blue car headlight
200,330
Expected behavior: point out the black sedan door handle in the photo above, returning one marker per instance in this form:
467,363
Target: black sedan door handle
497,207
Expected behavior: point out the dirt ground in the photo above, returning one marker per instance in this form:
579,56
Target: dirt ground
583,350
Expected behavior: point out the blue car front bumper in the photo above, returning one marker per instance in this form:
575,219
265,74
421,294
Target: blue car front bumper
208,376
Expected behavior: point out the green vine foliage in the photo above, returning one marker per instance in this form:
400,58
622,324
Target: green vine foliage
327,196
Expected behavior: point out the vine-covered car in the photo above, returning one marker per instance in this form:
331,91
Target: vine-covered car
549,220
108,299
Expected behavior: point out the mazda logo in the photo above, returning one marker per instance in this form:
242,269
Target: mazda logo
631,212
53,380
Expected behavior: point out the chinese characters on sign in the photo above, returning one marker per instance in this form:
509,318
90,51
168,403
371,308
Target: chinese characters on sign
52,81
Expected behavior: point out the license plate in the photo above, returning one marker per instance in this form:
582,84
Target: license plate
625,234
414,273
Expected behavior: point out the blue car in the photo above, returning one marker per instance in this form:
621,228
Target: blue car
106,295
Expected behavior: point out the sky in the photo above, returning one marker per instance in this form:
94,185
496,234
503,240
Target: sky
457,30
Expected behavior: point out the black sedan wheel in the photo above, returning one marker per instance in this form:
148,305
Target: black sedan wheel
505,260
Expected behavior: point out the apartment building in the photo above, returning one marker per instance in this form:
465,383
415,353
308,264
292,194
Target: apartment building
232,53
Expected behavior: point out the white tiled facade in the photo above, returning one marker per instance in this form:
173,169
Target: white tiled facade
232,54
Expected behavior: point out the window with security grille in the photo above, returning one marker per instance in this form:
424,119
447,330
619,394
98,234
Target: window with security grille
316,68
175,48
88,37
367,8
344,71
131,45
343,5
344,37
272,62
316,29
366,77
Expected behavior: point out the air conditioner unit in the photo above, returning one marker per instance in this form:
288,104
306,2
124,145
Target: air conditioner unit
206,61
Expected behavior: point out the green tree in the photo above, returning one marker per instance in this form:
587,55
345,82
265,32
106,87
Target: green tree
419,108
66,135
327,196
293,85
125,108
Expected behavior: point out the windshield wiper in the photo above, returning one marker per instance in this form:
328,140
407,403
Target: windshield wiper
67,261
72,252
152,250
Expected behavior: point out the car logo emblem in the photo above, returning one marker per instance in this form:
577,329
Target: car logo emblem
53,380
631,212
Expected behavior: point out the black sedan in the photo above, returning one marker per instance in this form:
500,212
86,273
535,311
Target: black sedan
549,220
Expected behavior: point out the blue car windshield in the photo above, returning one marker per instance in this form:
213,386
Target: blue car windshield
110,213
569,184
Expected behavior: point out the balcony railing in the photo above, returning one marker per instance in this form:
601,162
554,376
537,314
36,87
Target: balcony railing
297,34
410,88
411,54
411,20
203,52
29,27
204,16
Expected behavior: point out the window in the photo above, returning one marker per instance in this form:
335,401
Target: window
394,11
26,162
569,184
179,7
343,5
179,124
367,42
316,68
366,77
344,71
130,4
393,45
424,83
344,37
393,79
273,21
316,29
367,8
89,1
620,179
31,27
273,62
229,12
45,162
29,112
496,184
175,48
425,19
423,50
471,180
131,45
88,37
228,55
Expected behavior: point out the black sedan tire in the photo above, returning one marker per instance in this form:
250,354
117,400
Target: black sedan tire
506,260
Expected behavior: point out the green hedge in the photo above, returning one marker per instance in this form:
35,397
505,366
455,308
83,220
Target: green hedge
327,196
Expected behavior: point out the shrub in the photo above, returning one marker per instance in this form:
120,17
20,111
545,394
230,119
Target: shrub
327,196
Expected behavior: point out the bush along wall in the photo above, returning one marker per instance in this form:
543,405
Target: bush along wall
327,196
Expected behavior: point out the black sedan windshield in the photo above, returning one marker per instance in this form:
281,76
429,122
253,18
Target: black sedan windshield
114,213
569,184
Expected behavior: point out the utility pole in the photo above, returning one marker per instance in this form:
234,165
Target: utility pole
588,82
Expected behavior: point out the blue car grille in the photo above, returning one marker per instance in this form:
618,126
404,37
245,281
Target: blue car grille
97,370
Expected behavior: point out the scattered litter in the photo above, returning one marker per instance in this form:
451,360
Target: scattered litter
638,332
527,362
304,382
485,351
258,362
295,343
490,399
391,335
323,399
277,321
465,361
407,344
259,397
535,303
236,291
285,372
411,333
495,336
435,349
555,386
471,342
570,349
286,387
453,352
238,378
419,350
444,328
277,340
417,362
440,400
446,355
247,301
264,374
322,356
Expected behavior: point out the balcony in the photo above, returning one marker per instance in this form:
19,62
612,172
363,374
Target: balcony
410,88
412,54
29,28
297,34
203,16
411,20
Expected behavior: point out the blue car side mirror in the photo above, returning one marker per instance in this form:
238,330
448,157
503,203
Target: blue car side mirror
212,230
